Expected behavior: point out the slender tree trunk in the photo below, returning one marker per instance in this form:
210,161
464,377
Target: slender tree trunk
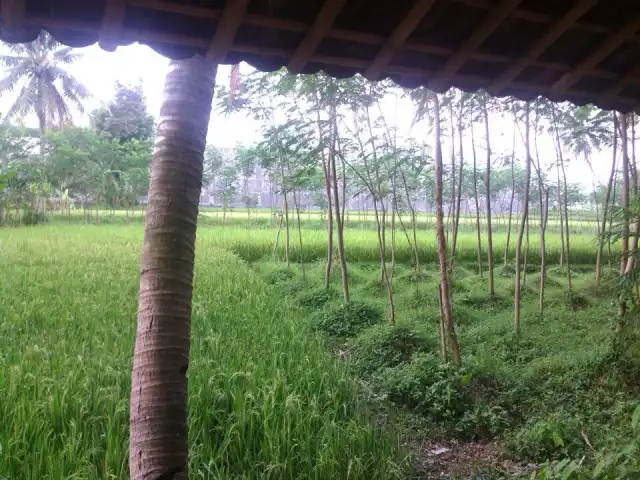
475,198
327,186
158,411
487,183
544,216
566,222
561,217
287,234
613,201
513,195
442,327
605,206
301,256
543,197
525,213
624,194
275,243
458,196
526,255
336,201
626,260
445,299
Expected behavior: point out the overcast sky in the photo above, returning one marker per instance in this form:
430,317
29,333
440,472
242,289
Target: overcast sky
99,71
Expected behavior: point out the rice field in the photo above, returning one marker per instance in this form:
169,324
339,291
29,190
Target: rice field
266,400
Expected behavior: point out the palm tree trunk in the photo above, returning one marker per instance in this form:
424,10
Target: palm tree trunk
445,298
525,213
158,410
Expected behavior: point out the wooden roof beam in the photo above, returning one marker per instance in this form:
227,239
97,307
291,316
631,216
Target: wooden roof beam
347,35
398,37
200,42
228,25
607,48
492,21
632,76
13,17
322,24
112,20
541,44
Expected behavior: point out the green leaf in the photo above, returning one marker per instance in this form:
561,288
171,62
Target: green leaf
557,440
599,468
635,419
466,378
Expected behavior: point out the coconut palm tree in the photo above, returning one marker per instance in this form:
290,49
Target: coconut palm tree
158,408
47,88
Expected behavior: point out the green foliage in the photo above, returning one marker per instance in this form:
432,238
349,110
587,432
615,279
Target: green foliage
32,217
387,346
263,394
125,118
340,320
279,275
606,464
442,393
317,298
546,439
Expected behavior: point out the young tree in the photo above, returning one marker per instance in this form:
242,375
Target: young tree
524,219
607,197
487,182
445,298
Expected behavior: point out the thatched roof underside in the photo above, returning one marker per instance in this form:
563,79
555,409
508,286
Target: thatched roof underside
584,51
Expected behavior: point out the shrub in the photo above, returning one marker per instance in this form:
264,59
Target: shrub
386,346
279,275
316,299
32,217
545,439
576,300
340,320
443,394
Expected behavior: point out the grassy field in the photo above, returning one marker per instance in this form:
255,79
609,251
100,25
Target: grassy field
266,400
268,397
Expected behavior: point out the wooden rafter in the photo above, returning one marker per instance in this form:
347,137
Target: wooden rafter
600,54
532,53
151,36
322,24
112,20
632,76
348,35
13,16
492,21
398,37
230,20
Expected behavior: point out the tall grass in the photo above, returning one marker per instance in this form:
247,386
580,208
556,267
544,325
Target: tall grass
266,401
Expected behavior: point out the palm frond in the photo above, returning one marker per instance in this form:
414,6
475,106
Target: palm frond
11,79
67,55
27,99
